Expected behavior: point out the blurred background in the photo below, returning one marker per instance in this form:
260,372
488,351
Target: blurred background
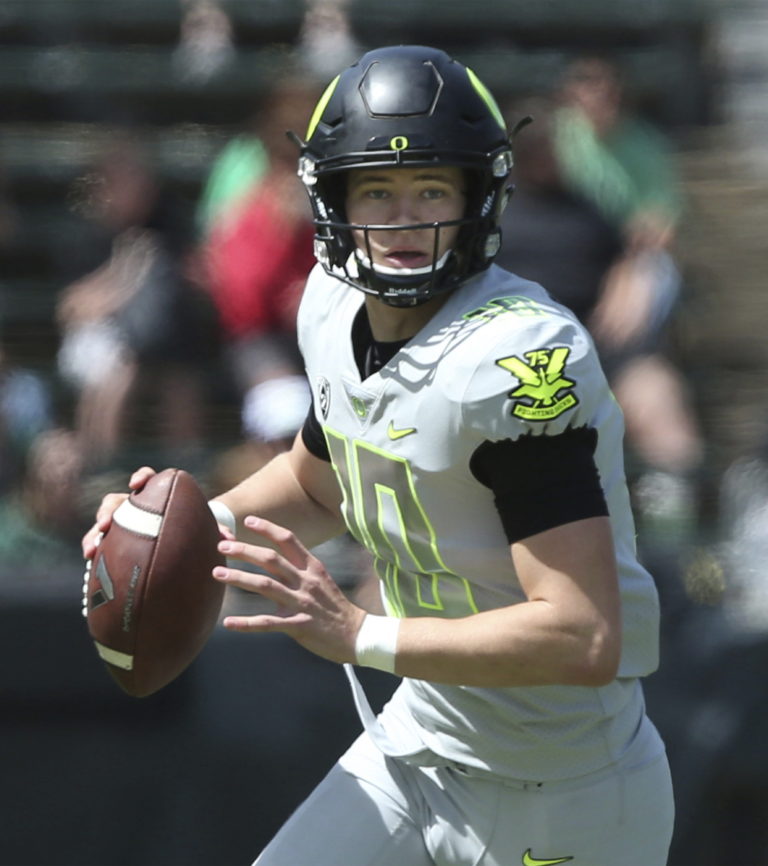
153,243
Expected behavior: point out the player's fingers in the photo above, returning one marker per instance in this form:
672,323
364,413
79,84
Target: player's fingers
266,558
225,532
265,622
283,539
140,477
263,584
109,504
91,541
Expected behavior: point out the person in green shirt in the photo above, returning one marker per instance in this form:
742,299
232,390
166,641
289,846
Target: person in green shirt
613,156
624,166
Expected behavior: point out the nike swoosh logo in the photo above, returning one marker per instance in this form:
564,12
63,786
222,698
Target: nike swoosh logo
393,433
530,860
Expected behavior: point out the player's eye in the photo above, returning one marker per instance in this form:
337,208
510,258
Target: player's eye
433,193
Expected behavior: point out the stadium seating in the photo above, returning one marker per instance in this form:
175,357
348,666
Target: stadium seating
65,68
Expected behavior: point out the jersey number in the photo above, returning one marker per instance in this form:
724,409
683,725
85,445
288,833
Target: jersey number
383,512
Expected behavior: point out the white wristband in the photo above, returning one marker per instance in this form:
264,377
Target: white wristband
223,515
376,642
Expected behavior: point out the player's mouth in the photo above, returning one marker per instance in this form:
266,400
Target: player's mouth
407,259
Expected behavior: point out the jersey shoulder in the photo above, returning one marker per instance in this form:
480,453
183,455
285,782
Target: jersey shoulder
526,364
319,287
325,302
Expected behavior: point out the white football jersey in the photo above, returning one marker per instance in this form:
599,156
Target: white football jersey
499,360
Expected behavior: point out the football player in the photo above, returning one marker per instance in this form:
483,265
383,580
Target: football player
462,430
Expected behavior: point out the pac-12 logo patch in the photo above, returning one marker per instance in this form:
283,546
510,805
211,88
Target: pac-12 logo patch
324,395
544,391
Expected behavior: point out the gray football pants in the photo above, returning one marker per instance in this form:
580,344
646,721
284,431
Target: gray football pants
372,810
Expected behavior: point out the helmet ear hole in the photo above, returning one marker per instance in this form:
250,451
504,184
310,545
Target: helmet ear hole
333,189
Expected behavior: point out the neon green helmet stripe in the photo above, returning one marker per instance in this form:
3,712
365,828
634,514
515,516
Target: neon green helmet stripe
320,107
487,98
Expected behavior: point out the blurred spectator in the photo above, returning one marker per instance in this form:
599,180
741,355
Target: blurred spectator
560,237
40,517
26,410
545,216
205,41
743,546
614,157
326,43
624,165
259,250
237,169
138,324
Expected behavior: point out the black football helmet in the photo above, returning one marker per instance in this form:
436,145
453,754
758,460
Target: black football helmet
406,106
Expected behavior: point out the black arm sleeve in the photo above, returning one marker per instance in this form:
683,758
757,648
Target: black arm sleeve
312,436
540,482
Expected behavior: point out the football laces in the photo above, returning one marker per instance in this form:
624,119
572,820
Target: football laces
87,577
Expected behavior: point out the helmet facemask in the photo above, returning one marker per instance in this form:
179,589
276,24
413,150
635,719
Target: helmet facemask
399,287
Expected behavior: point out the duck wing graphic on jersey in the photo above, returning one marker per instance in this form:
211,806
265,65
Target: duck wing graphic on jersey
544,391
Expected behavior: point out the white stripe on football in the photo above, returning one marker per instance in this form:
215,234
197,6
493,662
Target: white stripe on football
137,520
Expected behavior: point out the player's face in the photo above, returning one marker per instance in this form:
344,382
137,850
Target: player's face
405,196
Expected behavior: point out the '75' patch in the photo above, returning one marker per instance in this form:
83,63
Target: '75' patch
544,391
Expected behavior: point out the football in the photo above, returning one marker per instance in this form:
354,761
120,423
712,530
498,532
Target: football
149,598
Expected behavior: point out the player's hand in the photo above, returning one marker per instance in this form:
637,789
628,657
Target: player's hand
310,606
109,504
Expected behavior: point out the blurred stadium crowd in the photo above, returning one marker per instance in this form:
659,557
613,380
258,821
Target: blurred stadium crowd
154,239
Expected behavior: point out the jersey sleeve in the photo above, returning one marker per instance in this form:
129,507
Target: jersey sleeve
541,482
534,402
312,436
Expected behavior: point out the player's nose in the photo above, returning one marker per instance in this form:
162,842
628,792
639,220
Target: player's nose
405,210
